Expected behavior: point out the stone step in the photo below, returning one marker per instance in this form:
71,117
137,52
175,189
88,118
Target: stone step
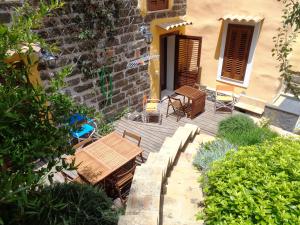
194,128
142,219
142,172
145,186
171,151
184,134
203,138
168,221
162,158
184,171
173,142
136,204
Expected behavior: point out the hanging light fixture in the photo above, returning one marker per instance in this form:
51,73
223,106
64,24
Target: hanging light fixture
147,34
48,58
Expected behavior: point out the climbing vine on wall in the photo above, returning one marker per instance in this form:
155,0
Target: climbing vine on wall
106,84
284,40
102,16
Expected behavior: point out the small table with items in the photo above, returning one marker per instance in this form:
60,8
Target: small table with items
196,96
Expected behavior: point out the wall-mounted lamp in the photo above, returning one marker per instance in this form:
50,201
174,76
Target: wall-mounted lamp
48,58
147,34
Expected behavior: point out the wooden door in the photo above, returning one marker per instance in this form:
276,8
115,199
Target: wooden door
187,63
238,43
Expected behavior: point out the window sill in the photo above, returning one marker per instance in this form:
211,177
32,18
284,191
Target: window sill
159,11
233,82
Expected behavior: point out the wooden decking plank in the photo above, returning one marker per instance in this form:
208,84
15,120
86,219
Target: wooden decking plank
153,135
147,140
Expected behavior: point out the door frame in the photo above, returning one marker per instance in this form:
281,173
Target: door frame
163,57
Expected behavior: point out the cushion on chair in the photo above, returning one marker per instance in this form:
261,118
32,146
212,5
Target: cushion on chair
84,129
225,98
151,107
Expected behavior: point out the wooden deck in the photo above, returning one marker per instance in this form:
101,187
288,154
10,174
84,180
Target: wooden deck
153,134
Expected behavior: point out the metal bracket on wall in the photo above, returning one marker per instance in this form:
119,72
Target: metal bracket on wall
141,61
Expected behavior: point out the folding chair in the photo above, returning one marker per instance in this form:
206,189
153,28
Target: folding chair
151,107
224,99
178,107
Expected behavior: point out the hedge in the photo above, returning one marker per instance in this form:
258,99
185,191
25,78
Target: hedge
258,184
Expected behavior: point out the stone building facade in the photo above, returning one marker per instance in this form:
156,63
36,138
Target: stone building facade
87,44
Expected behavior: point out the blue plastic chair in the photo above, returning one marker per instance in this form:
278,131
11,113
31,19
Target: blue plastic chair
87,129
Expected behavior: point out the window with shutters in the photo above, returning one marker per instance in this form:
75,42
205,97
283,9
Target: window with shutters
236,54
155,5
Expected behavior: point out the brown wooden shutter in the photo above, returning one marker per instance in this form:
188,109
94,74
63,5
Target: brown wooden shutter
238,43
155,5
188,52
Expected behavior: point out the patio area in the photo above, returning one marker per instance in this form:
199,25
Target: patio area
154,134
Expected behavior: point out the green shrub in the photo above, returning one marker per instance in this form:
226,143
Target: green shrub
242,131
210,152
258,184
64,204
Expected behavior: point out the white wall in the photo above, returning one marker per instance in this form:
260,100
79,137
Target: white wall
170,62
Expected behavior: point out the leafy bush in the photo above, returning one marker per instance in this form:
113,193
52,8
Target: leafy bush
64,204
242,131
258,184
210,152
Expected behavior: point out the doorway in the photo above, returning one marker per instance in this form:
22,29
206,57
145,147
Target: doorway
179,62
167,64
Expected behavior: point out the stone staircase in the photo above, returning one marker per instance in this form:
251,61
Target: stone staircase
145,200
183,197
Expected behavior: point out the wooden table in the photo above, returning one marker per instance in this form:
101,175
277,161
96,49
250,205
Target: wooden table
103,157
198,99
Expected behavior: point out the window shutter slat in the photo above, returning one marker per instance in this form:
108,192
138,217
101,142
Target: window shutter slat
236,53
188,60
155,5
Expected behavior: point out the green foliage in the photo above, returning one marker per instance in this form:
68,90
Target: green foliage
33,122
86,34
284,40
65,204
106,84
256,185
241,131
210,152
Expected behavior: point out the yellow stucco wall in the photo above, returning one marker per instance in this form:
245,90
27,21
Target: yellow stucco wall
295,55
34,75
265,81
154,65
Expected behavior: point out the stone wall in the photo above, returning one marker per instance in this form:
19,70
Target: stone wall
87,47
6,8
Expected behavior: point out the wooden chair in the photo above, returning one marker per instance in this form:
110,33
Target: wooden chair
135,137
178,107
224,100
151,107
121,180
